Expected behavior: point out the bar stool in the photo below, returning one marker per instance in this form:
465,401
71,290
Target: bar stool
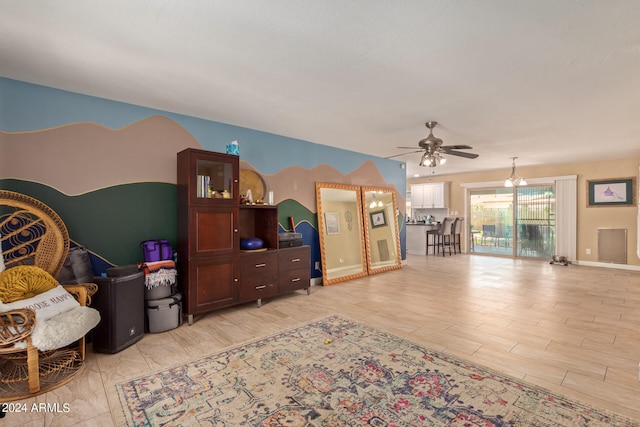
432,240
457,228
443,235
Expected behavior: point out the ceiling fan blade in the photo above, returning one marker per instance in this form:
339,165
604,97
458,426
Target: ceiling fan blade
408,148
456,147
402,154
461,154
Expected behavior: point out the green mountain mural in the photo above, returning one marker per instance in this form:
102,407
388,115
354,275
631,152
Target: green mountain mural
111,222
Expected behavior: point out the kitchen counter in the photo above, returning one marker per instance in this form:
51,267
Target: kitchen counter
417,237
430,226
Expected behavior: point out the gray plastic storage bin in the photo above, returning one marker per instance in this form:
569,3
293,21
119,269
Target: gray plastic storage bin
158,292
164,314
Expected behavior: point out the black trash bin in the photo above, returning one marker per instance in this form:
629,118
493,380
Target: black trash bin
120,301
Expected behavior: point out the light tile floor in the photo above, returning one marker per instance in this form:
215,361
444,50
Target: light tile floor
574,330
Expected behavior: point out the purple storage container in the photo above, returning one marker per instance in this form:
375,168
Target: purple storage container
156,250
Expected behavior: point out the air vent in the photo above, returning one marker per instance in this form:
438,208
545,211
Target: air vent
612,245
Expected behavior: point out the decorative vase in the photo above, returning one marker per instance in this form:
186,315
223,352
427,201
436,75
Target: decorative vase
233,148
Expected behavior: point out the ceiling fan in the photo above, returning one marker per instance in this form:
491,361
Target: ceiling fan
433,149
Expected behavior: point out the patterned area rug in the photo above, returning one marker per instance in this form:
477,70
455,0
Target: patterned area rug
337,372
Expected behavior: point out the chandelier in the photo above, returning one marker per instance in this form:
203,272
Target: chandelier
514,180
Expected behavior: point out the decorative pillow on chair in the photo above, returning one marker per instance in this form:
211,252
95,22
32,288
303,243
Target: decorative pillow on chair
24,281
47,304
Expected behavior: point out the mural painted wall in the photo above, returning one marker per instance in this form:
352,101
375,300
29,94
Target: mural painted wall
109,168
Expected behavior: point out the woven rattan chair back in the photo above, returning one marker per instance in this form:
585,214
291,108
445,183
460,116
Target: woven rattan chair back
32,233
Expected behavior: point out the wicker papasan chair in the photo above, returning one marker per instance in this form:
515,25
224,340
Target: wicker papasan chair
40,349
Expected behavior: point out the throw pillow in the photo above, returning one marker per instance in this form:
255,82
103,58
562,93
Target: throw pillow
24,281
47,304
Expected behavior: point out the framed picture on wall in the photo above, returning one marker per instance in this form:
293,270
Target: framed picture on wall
331,222
611,192
378,219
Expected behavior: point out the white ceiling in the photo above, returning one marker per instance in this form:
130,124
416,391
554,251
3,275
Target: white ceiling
549,81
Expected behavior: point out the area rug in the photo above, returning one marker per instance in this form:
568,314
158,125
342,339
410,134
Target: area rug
338,372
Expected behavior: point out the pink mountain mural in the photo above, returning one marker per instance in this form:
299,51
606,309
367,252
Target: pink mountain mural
141,151
78,158
299,184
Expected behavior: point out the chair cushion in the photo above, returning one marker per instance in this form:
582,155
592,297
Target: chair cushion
63,329
46,305
24,281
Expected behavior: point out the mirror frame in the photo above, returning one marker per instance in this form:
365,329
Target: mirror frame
357,222
367,232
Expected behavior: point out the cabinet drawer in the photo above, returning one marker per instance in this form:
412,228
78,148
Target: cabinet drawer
258,275
258,267
293,279
251,292
293,258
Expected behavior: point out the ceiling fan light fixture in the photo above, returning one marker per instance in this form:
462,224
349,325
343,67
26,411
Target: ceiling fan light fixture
432,159
424,159
514,180
434,149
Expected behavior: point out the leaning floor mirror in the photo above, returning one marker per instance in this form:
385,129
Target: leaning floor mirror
381,229
342,247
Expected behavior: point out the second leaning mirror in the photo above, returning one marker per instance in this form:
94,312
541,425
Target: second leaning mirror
381,229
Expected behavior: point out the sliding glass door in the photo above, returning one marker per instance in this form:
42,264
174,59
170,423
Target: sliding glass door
536,221
491,221
517,221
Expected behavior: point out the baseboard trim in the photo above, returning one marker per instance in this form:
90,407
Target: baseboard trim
608,265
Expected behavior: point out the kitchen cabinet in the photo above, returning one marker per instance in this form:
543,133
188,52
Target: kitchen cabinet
431,195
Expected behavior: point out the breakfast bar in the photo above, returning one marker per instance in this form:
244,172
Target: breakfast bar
417,236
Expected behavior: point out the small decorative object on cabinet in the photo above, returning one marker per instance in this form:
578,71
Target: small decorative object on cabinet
213,271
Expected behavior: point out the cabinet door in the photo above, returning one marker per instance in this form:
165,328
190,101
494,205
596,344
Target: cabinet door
208,178
437,195
434,195
213,231
213,283
417,197
427,191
